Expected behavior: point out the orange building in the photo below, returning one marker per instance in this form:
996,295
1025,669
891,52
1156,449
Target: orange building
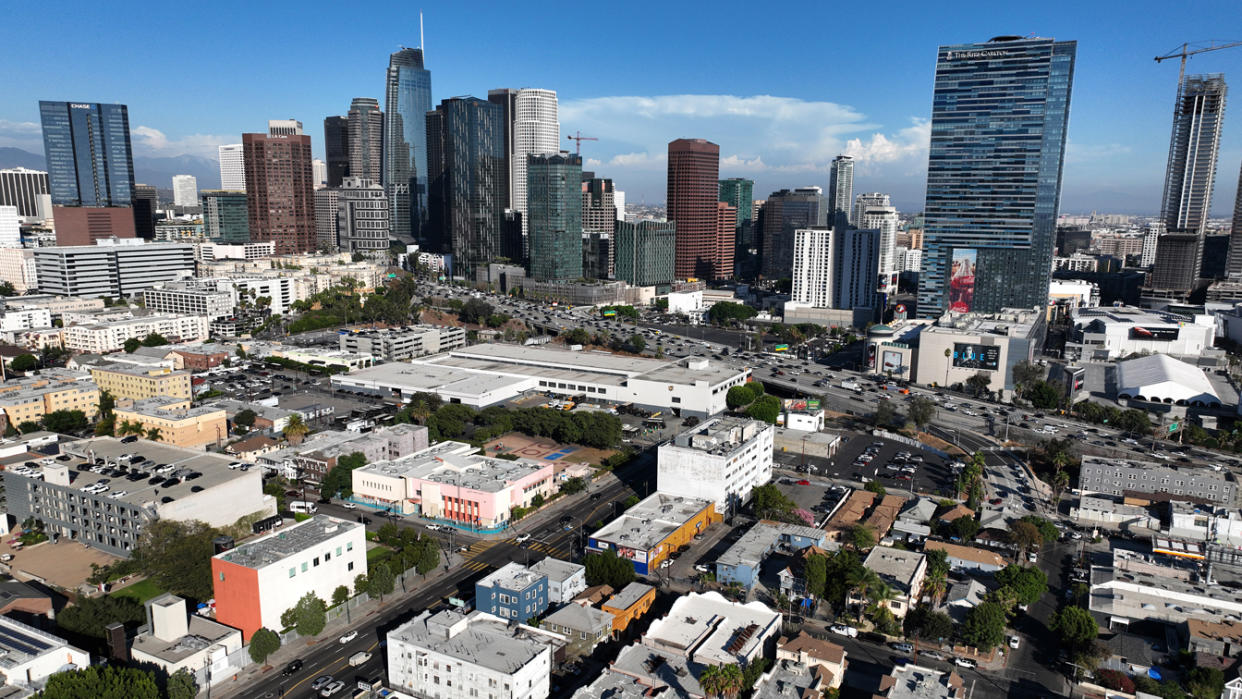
633,601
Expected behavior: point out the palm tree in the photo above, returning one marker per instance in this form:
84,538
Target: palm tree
295,430
721,680
1060,481
130,427
934,586
153,434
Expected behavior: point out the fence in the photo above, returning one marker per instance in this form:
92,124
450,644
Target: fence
910,442
404,583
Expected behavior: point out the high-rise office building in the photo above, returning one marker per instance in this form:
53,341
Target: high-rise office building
994,174
407,100
693,192
740,194
319,173
841,190
90,170
506,99
512,243
783,214
146,202
726,232
645,252
1234,267
862,201
185,190
336,148
554,208
536,131
362,215
835,267
284,127
232,167
25,189
874,212
226,218
280,191
1194,147
599,207
327,207
366,139
597,255
465,144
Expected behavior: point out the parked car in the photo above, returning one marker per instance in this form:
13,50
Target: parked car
902,647
522,538
332,689
321,682
292,667
844,630
965,662
1013,642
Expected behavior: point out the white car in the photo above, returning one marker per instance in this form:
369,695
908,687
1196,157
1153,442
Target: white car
1013,642
349,506
844,630
349,637
434,527
965,662
666,563
522,538
702,568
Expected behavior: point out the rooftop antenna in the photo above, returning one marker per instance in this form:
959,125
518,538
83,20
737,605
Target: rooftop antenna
420,33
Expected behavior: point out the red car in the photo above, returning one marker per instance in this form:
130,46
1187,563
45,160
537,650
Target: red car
804,482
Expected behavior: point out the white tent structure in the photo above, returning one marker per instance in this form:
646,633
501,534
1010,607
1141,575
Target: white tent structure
1159,378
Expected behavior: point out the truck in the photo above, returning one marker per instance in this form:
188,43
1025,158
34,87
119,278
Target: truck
359,658
303,506
850,384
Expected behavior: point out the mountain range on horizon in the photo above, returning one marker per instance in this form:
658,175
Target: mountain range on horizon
156,171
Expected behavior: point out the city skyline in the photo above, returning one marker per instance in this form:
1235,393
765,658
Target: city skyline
778,126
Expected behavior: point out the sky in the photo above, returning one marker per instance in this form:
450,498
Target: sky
783,88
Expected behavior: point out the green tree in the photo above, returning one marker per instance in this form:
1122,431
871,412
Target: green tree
1044,395
263,643
1024,536
885,414
428,556
154,340
245,418
573,485
132,344
965,528
340,596
984,627
766,408
816,573
724,681
154,434
182,685
1075,627
936,626
937,573
922,410
177,556
979,383
768,502
474,311
360,586
311,615
727,311
1205,683
1025,374
24,363
577,336
876,487
739,397
7,289
295,429
637,343
340,479
66,421
29,426
607,568
862,537
88,616
381,579
1027,582
1047,530
101,682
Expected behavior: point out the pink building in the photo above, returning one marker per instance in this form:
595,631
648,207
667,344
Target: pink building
451,482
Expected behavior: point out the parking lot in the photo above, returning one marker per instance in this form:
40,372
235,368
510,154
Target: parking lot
931,475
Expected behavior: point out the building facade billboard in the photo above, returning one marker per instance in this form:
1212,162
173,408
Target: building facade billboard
971,356
1157,334
892,361
962,279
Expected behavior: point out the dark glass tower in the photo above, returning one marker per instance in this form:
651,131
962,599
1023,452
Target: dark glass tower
89,159
465,139
336,148
407,100
999,116
785,212
554,208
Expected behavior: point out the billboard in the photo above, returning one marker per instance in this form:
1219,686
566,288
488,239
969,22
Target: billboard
1157,334
969,356
781,348
870,356
892,361
962,279
801,404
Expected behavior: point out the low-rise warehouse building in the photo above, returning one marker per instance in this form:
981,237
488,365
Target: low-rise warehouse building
29,656
649,531
1162,379
1108,333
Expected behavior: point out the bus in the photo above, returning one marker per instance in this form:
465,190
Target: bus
303,507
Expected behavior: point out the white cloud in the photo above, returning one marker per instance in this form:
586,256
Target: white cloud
879,148
151,141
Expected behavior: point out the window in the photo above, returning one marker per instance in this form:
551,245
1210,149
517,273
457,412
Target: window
349,546
350,566
292,572
304,566
316,561
221,573
338,550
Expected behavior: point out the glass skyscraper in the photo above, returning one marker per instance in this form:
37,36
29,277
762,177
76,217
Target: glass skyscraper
554,211
407,100
89,158
999,116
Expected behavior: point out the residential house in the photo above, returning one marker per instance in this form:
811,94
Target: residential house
903,572
808,650
512,592
584,627
565,579
968,559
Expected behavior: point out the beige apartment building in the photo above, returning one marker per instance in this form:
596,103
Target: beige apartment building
138,383
179,423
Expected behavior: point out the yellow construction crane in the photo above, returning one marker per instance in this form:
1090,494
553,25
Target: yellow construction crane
1186,52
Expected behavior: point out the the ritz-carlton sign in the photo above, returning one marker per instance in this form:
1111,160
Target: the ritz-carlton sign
955,55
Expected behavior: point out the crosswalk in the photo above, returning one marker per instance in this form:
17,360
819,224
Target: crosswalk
554,551
472,554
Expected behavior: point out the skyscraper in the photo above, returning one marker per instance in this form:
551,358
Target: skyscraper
407,100
875,212
645,253
693,192
554,207
90,170
599,208
24,188
232,167
994,174
366,139
336,148
1190,175
146,202
740,194
835,267
536,131
1234,267
281,195
319,173
185,190
225,216
841,190
465,149
506,99
784,213
284,127
362,215
327,207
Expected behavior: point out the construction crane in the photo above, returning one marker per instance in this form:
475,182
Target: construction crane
580,138
1187,52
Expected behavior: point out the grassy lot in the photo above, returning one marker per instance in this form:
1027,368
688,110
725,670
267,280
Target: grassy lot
379,553
141,591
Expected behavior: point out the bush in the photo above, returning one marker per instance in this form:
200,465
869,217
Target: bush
739,396
263,643
1114,679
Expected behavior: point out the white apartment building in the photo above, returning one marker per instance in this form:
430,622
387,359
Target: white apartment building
396,344
720,460
451,655
908,259
874,212
1151,238
835,269
283,291
185,190
18,319
101,338
10,227
240,251
361,215
536,130
257,581
191,302
232,167
17,267
113,267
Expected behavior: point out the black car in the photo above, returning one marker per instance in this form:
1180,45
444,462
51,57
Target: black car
567,519
130,439
596,496
292,667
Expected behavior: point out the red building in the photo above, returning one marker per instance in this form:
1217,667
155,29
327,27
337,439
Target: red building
83,225
693,195
726,235
280,191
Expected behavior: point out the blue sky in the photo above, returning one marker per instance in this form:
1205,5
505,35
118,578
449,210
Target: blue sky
781,87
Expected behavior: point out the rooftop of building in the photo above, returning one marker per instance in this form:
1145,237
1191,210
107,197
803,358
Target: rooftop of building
1010,322
614,685
1128,315
511,576
720,436
659,668
628,596
20,644
556,569
787,679
288,541
268,412
966,553
919,510
171,409
457,464
416,328
651,521
136,370
917,682
759,540
1180,379
817,648
969,592
122,322
1094,461
711,629
13,590
1168,589
476,638
588,366
438,378
894,565
202,633
580,616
